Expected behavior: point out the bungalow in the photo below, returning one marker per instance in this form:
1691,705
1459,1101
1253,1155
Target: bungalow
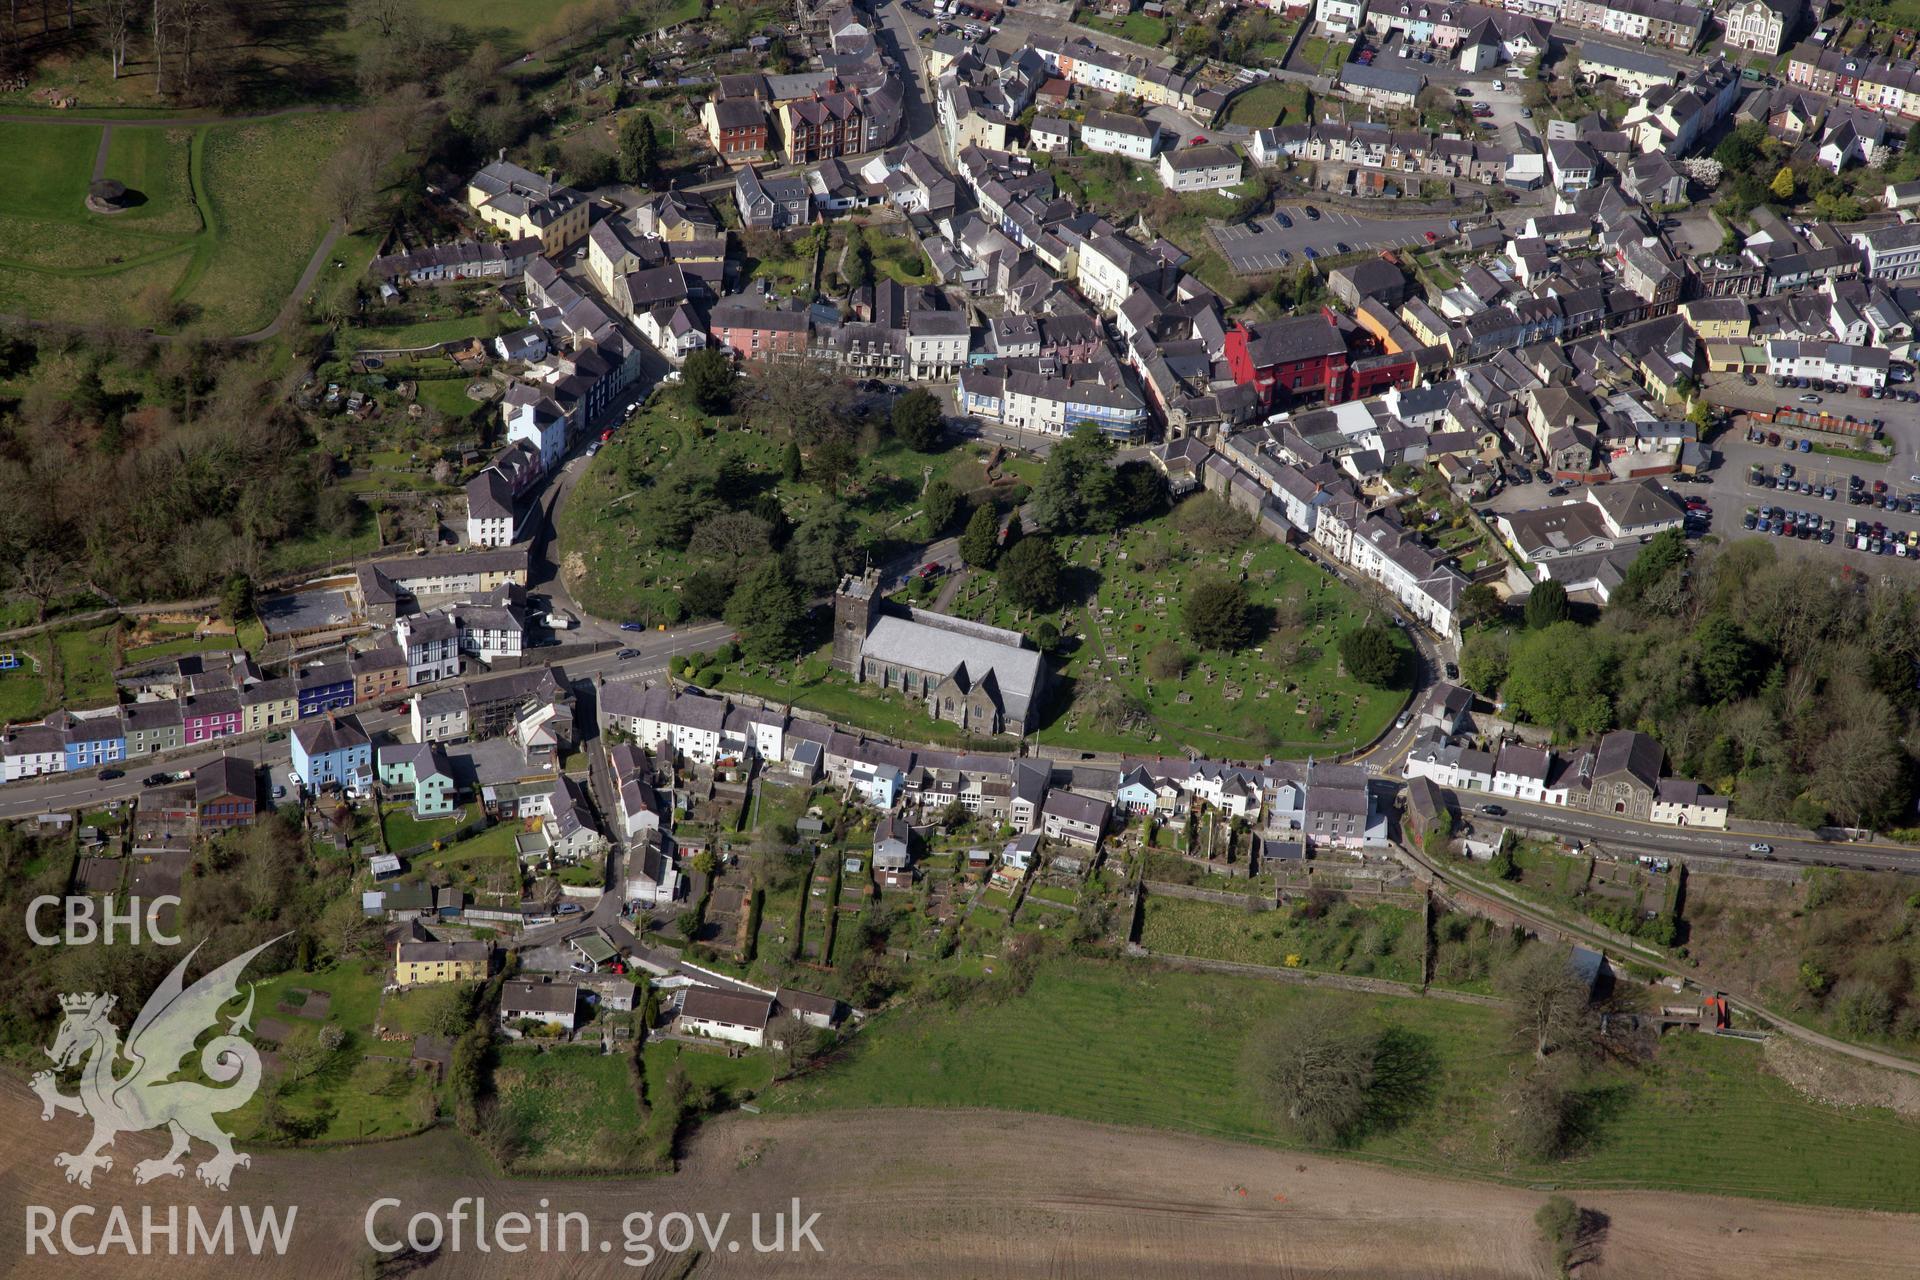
547,1000
823,1012
737,1015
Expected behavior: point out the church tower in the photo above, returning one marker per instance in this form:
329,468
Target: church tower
855,605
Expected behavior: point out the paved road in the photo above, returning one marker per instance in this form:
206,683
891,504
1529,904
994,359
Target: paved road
1637,836
895,33
1706,981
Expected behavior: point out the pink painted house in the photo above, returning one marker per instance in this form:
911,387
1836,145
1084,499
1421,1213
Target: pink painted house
209,715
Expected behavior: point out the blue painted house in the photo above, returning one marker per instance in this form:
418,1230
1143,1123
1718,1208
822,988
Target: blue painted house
334,751
1136,793
93,742
325,688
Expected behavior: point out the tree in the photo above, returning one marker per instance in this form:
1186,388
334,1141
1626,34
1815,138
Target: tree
939,507
236,599
1783,185
1539,1124
1564,676
980,543
709,376
790,462
1141,489
822,549
1483,661
1030,574
770,614
1666,552
1218,614
639,149
857,261
1549,1002
1314,1070
1077,490
1166,661
1558,1221
1479,603
1722,658
917,421
705,592
1372,654
832,462
1546,605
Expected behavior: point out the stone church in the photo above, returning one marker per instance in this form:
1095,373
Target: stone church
986,680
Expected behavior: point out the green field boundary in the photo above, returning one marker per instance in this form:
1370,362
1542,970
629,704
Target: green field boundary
209,238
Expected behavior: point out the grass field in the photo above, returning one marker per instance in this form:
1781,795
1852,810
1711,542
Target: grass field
402,830
87,662
569,1109
366,1090
1379,941
1129,1044
227,219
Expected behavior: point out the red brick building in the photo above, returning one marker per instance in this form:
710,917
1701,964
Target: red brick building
823,127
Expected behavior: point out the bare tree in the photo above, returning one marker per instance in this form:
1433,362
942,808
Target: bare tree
1314,1071
116,19
385,15
1550,1002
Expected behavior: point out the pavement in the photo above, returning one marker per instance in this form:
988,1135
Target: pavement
1265,245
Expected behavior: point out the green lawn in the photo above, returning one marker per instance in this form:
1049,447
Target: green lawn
87,665
1286,694
1129,1044
323,546
355,1095
1379,941
404,831
570,1109
429,333
25,694
229,217
1267,104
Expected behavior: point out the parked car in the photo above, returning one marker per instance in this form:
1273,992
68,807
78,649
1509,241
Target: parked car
279,792
1453,671
633,626
1341,246
1499,86
155,780
1280,216
1431,236
1493,810
1313,254
1313,214
108,775
1809,399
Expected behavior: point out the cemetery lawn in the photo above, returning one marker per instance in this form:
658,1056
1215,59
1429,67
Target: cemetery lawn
1286,695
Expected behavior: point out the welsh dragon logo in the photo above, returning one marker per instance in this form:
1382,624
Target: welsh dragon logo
146,1096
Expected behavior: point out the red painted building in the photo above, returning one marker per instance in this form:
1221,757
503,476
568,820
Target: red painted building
756,333
1289,360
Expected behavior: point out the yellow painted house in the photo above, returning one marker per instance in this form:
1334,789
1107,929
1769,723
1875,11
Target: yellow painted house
521,203
1718,319
422,963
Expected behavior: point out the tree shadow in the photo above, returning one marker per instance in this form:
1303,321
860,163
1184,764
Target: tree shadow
1589,1114
1405,1067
